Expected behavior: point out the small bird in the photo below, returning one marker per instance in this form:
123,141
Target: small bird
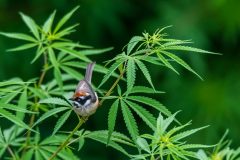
85,99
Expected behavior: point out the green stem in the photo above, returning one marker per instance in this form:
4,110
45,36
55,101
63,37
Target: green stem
81,121
32,118
112,87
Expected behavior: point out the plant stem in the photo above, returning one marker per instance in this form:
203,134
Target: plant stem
112,87
81,121
11,152
32,119
45,66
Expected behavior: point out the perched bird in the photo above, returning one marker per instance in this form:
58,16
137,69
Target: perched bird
85,100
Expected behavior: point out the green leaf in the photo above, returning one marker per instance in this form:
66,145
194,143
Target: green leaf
48,23
65,31
132,43
39,52
20,36
151,102
50,113
112,115
58,77
82,65
145,72
144,114
202,155
22,103
72,72
14,119
129,121
186,134
144,89
65,19
95,51
52,57
143,144
28,155
61,121
166,63
197,146
31,25
56,72
181,62
74,53
57,101
111,70
81,143
22,47
15,108
187,48
98,136
131,74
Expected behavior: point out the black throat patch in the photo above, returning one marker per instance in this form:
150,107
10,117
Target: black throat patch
82,99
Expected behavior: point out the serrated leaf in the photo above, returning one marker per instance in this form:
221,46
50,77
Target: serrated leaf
72,72
181,62
151,102
50,113
131,74
143,144
58,76
145,72
111,70
95,51
166,63
201,155
132,43
13,107
14,119
186,133
198,146
52,57
144,89
65,19
39,52
129,121
61,121
54,100
65,31
20,36
187,48
103,139
22,47
82,65
112,115
81,143
144,114
74,53
173,42
48,23
22,103
31,25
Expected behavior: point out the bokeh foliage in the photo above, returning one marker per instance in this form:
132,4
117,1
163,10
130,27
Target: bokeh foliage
212,25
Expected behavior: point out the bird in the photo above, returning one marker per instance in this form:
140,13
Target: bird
85,100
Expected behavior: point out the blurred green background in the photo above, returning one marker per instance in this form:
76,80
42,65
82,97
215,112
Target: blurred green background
212,24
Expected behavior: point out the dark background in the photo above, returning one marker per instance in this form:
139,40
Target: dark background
211,24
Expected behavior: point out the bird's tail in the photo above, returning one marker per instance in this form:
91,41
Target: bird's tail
89,70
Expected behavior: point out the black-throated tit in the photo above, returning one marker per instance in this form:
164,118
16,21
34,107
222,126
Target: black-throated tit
85,99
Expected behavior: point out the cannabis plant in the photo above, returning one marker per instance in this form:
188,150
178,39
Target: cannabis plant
27,104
